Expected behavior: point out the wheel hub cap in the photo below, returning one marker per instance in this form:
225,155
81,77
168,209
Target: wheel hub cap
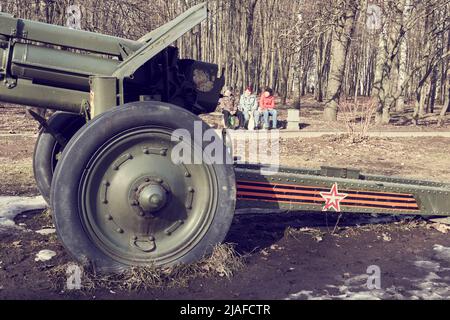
152,198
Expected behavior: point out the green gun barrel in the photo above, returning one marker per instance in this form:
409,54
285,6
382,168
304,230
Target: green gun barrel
58,68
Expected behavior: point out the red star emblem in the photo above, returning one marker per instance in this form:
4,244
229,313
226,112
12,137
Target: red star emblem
333,198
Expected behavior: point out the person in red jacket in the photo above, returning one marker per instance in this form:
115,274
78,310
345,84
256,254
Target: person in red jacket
267,108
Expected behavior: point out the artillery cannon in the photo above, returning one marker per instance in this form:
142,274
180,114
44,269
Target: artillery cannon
104,160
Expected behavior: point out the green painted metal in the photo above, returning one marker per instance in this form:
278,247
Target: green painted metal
58,68
63,36
103,94
25,92
161,38
137,205
432,198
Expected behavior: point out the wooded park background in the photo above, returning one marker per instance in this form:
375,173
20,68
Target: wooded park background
396,52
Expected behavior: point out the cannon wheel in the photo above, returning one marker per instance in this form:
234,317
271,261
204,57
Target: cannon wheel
121,199
47,150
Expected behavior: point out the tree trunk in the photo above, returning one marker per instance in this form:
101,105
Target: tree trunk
341,40
446,106
379,91
400,105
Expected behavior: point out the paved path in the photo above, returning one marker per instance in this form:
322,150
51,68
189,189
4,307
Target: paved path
10,135
384,134
308,134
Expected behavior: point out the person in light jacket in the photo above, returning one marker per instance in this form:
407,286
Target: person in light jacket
267,108
248,105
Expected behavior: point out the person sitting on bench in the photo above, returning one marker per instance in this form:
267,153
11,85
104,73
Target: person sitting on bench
267,108
229,109
248,105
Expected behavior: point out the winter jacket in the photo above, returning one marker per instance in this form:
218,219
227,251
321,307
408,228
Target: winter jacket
267,103
248,103
228,104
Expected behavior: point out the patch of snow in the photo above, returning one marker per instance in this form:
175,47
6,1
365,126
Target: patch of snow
346,295
6,223
430,287
442,228
10,207
364,295
445,220
361,279
354,288
442,253
44,255
301,295
46,232
428,265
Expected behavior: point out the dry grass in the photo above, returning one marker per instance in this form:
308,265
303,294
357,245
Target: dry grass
223,262
405,224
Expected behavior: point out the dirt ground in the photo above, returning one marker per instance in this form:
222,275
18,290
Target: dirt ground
285,255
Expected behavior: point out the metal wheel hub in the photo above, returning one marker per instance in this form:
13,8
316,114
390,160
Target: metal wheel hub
150,197
138,205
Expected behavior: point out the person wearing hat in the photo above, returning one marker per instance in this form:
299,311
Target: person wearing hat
248,105
230,109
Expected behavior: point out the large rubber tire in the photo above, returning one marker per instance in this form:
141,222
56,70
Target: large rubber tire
79,161
47,150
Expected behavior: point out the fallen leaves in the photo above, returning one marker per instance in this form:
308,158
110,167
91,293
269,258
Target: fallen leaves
17,244
386,237
276,247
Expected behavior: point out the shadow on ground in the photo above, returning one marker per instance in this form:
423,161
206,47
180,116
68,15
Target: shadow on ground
253,230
